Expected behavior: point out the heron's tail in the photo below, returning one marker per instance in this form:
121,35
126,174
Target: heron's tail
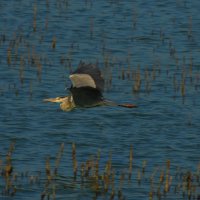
125,105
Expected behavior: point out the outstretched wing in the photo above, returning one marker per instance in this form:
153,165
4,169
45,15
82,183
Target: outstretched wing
86,96
87,75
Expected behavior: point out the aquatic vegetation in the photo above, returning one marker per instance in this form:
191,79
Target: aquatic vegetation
102,180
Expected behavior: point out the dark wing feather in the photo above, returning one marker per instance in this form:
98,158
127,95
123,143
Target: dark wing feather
93,71
86,96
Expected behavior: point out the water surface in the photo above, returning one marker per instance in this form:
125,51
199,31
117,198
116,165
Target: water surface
157,42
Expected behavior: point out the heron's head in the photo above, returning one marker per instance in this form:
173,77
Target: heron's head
66,102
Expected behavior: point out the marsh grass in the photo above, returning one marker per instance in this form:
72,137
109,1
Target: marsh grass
100,179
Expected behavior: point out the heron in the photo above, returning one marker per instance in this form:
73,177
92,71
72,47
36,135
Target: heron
86,90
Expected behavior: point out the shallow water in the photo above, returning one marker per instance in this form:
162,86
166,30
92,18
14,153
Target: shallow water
159,41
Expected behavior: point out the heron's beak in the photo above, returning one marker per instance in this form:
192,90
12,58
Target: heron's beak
55,100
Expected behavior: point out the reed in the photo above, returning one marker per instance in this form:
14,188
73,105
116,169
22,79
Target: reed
7,172
130,162
53,43
137,81
101,180
190,27
75,164
183,85
48,170
168,178
144,164
139,177
150,195
30,89
82,173
112,195
58,158
91,27
9,56
107,175
21,70
121,181
34,18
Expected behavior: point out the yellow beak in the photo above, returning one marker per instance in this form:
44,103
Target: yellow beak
55,100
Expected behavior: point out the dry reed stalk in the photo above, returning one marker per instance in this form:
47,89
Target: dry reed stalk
48,171
75,164
191,65
1,165
123,74
87,168
21,70
144,164
108,167
130,162
96,169
30,90
91,27
121,181
82,172
9,56
183,85
167,177
139,177
34,17
154,73
39,67
106,181
112,185
162,177
53,192
134,18
137,81
58,158
150,195
107,174
7,172
190,28
53,44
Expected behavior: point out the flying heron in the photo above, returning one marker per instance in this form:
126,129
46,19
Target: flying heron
86,90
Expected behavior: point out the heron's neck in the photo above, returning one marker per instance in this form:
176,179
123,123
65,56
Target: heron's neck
67,104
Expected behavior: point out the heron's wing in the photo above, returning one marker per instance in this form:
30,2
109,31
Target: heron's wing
82,80
94,78
86,96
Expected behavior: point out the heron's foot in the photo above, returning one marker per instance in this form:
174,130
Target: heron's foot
128,105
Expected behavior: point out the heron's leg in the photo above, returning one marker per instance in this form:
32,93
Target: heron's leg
126,105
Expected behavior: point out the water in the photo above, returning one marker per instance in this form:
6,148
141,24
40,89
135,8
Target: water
159,41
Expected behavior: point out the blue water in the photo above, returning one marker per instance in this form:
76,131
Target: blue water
159,40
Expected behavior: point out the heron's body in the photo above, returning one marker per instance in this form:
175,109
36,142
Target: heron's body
86,96
86,90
